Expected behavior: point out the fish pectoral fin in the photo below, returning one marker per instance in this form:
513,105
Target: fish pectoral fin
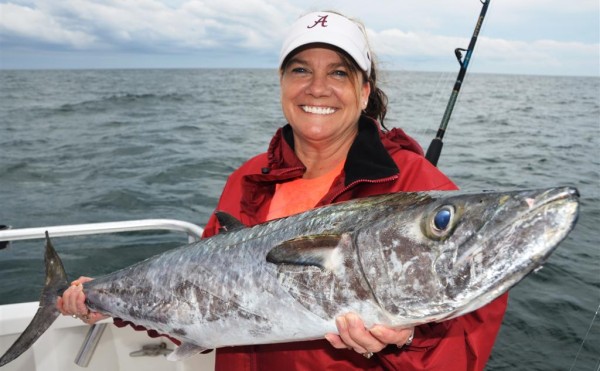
184,351
316,250
228,222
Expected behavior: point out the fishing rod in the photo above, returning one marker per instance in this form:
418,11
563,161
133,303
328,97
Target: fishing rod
435,148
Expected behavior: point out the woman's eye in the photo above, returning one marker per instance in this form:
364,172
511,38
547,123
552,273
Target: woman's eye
299,70
340,73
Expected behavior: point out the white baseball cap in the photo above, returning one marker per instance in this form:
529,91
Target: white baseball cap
329,28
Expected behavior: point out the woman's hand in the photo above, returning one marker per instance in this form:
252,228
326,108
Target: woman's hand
354,335
72,303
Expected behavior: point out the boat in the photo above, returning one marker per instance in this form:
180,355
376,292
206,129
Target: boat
70,344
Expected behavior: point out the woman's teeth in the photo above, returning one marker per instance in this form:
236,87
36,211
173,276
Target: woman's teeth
318,110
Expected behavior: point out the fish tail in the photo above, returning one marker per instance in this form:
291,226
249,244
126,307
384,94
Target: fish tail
56,280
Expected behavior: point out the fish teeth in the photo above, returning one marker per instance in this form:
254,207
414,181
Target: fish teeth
318,110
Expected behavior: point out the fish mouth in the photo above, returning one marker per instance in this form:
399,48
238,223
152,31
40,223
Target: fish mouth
557,207
555,212
553,195
521,244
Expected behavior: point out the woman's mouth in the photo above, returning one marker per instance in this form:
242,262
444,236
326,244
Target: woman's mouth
318,110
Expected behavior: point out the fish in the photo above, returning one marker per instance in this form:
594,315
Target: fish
400,259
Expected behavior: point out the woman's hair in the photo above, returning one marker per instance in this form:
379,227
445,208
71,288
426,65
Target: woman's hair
378,100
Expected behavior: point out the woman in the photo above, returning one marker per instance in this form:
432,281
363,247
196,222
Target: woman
332,150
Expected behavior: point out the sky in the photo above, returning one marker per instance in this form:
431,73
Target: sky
542,37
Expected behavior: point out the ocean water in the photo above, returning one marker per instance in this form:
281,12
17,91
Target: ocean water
109,145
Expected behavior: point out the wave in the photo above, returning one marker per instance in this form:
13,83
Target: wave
123,100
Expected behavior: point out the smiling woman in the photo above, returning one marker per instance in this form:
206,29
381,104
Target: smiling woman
327,78
334,148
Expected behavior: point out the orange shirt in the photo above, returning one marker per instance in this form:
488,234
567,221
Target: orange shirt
301,194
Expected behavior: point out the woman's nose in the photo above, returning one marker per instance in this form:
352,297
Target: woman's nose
318,86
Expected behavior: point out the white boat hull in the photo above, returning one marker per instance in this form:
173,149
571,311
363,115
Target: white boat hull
57,348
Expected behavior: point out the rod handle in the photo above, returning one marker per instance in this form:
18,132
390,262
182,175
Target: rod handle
434,151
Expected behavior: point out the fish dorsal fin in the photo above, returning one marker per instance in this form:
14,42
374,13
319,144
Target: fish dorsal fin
316,250
184,351
228,222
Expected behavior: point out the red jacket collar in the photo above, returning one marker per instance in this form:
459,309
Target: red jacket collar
369,156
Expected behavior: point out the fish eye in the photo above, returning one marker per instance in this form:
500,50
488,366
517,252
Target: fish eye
441,221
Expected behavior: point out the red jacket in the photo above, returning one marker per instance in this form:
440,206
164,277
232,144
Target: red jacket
377,163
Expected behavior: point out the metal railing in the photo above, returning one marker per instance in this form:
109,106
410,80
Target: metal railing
193,231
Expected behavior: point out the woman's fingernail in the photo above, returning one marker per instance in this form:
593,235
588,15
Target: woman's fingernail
341,323
376,331
353,320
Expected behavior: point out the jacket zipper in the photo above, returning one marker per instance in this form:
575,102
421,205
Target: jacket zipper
372,181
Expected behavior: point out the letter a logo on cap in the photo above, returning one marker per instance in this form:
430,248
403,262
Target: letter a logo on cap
322,20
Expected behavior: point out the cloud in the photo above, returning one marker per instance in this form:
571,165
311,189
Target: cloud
517,35
27,23
395,42
396,47
548,6
144,24
541,56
